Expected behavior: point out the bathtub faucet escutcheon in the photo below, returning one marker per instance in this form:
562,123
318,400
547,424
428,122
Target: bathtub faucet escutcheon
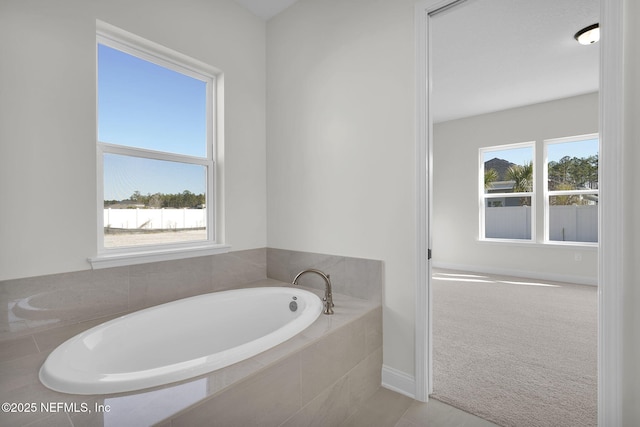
328,295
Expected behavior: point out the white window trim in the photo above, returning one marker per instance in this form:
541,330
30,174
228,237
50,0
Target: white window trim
547,194
482,196
111,36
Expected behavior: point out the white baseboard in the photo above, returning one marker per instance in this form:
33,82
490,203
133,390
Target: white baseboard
398,381
538,275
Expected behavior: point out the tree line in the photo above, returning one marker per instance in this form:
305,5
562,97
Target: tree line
186,199
574,173
568,173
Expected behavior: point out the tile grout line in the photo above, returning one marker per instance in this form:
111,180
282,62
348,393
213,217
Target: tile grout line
36,343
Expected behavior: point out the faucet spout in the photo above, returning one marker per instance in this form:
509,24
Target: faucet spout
328,294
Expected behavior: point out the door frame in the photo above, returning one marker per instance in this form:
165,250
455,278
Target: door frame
610,263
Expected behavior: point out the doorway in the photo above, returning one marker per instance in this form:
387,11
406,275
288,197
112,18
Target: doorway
609,296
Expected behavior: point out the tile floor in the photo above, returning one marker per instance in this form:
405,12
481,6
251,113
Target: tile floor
389,409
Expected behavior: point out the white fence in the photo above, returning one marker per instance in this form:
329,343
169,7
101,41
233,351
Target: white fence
155,219
573,223
566,223
513,222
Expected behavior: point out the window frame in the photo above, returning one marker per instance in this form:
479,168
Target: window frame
547,194
121,40
483,196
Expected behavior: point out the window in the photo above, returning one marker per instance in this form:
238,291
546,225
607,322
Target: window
507,192
570,187
571,194
156,153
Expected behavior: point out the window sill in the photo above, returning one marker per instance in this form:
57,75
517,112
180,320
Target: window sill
123,258
531,243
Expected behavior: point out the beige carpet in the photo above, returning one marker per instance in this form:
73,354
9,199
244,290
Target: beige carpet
517,352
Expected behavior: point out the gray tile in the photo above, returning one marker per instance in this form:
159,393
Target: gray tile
283,350
235,269
38,394
366,418
19,373
11,326
21,419
285,265
406,423
157,283
383,409
337,353
54,420
329,408
437,414
346,310
356,277
274,396
362,278
257,257
16,348
47,301
388,401
365,378
223,378
373,330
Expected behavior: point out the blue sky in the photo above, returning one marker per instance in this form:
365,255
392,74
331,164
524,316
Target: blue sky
579,149
144,105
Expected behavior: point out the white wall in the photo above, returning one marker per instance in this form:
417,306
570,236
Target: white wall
631,274
455,192
48,119
340,139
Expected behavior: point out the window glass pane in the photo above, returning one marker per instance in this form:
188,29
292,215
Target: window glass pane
508,170
149,201
144,105
507,218
573,165
573,218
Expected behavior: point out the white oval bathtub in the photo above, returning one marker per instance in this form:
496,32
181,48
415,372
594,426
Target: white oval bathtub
178,340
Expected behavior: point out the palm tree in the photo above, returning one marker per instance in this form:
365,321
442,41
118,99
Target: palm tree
490,177
522,177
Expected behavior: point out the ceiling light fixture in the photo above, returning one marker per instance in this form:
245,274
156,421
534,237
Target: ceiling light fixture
588,35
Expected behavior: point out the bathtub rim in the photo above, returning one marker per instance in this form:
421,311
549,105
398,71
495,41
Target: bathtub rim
94,384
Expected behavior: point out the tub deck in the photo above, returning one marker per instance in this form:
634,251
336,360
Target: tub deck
338,357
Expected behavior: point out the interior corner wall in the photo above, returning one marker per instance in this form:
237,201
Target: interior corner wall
48,119
455,190
341,144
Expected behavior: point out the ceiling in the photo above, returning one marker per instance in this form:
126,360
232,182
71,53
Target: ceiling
491,55
266,9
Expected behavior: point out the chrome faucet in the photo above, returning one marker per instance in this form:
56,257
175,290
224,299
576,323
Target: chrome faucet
328,295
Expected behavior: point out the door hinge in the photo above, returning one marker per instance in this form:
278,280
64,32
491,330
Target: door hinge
428,254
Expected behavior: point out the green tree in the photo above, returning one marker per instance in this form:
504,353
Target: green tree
566,200
490,176
522,177
572,173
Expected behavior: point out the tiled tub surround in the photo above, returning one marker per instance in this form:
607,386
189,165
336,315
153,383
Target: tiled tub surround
54,308
357,277
319,377
39,303
36,304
